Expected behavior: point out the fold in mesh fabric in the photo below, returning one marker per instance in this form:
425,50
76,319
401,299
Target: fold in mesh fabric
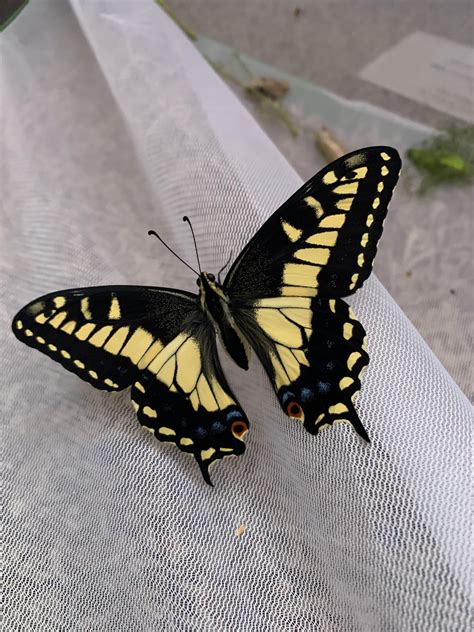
113,124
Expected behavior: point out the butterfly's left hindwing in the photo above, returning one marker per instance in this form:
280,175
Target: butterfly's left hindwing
313,351
183,397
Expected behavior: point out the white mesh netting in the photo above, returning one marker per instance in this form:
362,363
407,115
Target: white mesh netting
113,124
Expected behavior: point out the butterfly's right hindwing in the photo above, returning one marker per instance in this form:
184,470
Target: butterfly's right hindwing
313,351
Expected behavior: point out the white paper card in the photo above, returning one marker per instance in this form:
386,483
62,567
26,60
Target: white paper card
428,69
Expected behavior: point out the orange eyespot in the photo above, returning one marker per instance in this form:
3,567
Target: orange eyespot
294,410
239,428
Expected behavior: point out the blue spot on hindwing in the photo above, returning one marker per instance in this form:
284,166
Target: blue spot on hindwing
232,414
306,394
323,387
217,427
287,396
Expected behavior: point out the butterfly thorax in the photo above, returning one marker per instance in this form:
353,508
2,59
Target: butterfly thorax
215,304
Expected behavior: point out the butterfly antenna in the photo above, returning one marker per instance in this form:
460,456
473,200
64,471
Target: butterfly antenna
186,219
224,267
155,234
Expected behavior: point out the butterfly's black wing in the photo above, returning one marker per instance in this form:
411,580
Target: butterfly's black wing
285,286
183,397
322,241
155,339
106,335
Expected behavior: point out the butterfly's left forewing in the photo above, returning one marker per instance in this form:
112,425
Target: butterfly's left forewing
105,335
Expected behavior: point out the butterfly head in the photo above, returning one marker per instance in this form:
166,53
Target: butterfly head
210,290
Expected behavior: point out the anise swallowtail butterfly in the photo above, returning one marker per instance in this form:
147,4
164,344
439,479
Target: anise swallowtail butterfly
282,297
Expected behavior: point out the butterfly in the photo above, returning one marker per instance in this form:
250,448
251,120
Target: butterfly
282,297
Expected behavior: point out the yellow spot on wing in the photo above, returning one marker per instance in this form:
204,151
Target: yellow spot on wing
354,279
140,387
69,327
135,406
384,171
79,364
167,431
40,340
188,361
59,301
314,255
57,320
315,205
52,347
330,178
292,233
206,454
85,308
347,331
384,156
352,359
376,203
41,319
347,189
150,412
345,382
65,354
117,340
110,383
345,204
380,187
327,238
114,312
100,336
186,441
85,331
364,240
301,275
360,173
337,409
137,345
333,221
370,220
93,374
332,305
278,328
19,324
360,260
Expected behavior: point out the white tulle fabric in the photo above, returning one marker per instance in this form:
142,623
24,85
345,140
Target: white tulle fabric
112,124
